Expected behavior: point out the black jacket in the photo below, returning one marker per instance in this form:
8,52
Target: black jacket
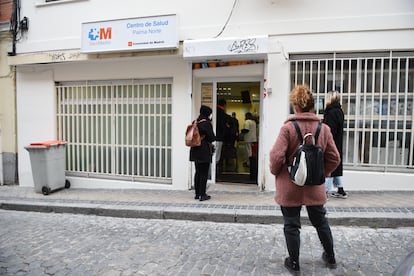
203,153
223,125
334,118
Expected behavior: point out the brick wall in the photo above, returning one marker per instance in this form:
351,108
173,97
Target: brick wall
6,7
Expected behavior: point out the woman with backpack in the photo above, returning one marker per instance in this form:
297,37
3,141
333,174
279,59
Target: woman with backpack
202,155
292,197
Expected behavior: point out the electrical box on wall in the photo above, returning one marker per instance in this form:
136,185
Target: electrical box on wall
24,24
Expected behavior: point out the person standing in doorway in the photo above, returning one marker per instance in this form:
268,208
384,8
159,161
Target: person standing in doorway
292,197
334,118
236,126
203,154
228,159
223,127
250,136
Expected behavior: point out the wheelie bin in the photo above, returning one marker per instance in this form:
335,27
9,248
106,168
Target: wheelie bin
48,163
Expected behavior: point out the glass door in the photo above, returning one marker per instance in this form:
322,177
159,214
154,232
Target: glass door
238,163
238,131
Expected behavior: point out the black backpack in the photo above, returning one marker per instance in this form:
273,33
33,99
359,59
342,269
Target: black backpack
308,165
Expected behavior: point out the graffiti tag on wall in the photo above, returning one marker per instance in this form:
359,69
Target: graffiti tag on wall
62,56
244,46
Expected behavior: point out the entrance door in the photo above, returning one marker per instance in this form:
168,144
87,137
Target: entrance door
241,86
238,160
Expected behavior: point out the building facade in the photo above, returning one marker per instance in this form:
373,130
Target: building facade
8,138
120,82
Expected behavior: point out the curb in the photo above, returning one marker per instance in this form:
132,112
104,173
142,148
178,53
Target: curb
375,220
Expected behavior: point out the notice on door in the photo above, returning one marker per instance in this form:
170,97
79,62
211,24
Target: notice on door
207,94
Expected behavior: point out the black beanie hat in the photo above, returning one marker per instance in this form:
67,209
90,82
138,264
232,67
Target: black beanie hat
205,110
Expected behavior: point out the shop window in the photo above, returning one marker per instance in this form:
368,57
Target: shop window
377,98
117,129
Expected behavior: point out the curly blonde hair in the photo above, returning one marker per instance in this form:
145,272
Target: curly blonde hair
302,97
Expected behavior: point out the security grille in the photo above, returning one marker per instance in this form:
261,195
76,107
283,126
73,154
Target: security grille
377,98
116,129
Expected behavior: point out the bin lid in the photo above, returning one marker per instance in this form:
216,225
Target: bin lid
48,143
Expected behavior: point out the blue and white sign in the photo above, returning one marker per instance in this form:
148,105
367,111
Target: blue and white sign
144,33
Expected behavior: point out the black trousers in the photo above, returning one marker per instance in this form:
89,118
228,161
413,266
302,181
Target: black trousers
200,178
291,217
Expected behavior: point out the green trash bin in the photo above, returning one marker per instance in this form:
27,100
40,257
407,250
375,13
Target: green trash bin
48,166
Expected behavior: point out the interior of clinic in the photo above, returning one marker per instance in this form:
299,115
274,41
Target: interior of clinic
236,164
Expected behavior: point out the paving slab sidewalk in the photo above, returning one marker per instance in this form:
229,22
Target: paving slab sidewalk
229,203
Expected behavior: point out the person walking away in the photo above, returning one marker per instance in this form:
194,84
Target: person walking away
292,197
250,136
203,154
334,118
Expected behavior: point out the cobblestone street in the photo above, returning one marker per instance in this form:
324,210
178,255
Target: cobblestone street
64,244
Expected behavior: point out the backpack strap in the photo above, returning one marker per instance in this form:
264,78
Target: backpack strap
318,130
298,131
197,122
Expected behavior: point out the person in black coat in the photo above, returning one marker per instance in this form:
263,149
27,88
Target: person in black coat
202,155
223,127
334,118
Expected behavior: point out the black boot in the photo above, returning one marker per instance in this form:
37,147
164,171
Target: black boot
205,197
292,266
329,261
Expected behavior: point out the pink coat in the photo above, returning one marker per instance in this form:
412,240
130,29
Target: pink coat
288,194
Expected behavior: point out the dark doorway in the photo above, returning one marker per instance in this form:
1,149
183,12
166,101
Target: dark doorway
238,159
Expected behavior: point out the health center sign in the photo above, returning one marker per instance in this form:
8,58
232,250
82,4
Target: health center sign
144,33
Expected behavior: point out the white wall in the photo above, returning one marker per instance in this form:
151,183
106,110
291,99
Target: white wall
378,181
37,115
347,42
57,25
275,109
